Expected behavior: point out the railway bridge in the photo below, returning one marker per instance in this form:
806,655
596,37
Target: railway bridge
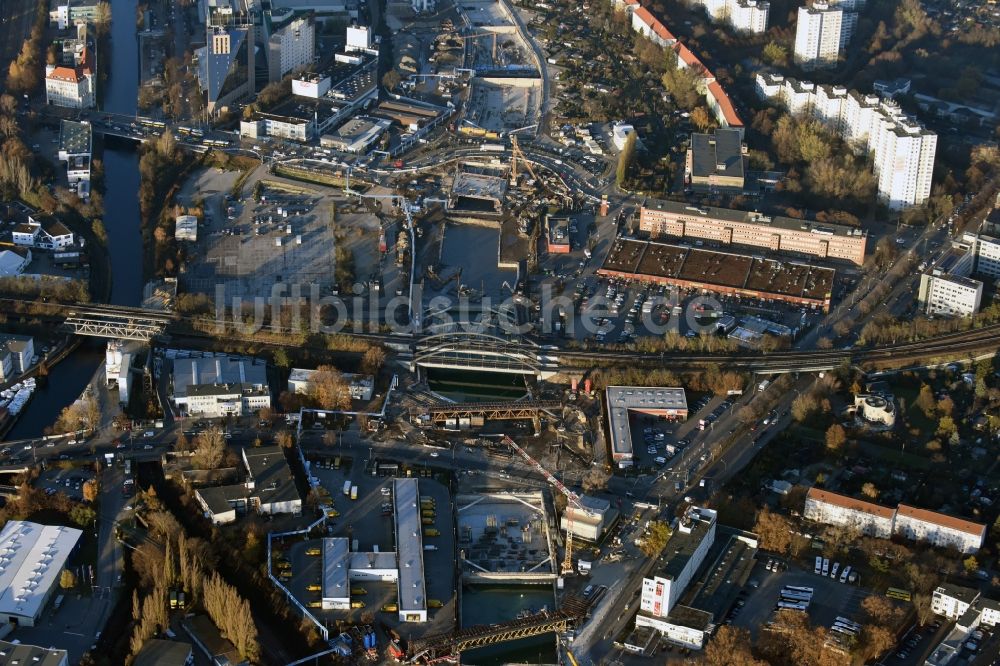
448,647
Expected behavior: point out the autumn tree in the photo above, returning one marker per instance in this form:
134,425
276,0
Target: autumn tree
373,360
67,579
209,449
231,614
90,490
880,610
869,490
836,437
327,389
730,647
971,564
775,54
625,159
701,119
655,538
775,531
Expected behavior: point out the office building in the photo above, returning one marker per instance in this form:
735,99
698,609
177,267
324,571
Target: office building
291,46
20,349
829,508
357,135
75,149
716,162
268,488
725,226
73,87
693,536
72,12
220,386
902,151
32,557
227,66
946,288
820,34
622,402
741,15
908,522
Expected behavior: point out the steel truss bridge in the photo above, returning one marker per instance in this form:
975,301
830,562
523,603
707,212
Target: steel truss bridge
440,647
117,322
480,351
525,410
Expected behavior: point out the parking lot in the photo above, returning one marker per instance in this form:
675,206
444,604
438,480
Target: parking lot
831,598
65,480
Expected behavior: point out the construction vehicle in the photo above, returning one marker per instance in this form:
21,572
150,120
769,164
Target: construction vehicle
572,499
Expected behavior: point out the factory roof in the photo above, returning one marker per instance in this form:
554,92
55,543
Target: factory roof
271,476
12,654
719,153
219,371
409,544
622,399
335,569
31,559
157,652
74,137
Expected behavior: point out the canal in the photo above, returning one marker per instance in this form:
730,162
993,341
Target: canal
470,386
492,604
66,381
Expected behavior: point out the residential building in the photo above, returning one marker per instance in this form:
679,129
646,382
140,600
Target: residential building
619,134
952,601
946,288
73,87
902,151
220,386
34,557
726,226
75,149
908,522
20,348
986,246
361,387
742,15
73,12
891,88
820,34
268,488
41,231
18,654
969,610
623,401
227,66
939,529
291,46
823,506
646,24
693,535
716,162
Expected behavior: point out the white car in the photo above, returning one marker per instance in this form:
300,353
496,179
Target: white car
434,454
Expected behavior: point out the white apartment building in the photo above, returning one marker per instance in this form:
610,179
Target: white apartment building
819,36
952,601
693,536
833,509
946,288
742,15
986,246
939,529
290,47
902,151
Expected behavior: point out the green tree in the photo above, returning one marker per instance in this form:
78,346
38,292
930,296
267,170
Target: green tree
281,358
971,564
82,515
775,54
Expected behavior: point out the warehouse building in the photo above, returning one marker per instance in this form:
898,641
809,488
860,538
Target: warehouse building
409,545
623,401
220,386
268,488
720,272
716,162
32,557
18,654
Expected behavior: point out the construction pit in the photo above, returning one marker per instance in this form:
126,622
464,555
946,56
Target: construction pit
504,537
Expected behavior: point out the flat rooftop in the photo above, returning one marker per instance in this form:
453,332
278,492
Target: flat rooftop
666,262
31,558
623,399
682,546
157,652
271,475
748,216
409,545
18,654
717,154
336,585
558,229
74,137
219,498
220,370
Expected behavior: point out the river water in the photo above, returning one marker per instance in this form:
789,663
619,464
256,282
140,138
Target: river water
492,604
68,378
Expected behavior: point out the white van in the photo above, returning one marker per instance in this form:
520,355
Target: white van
826,567
845,574
819,564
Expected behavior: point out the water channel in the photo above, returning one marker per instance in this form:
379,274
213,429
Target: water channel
67,379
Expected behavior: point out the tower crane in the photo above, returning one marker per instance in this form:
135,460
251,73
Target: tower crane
571,498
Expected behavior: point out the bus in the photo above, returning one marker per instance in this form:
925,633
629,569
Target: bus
795,596
791,605
841,629
796,588
896,593
851,624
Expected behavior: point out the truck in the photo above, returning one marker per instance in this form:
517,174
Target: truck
354,492
58,602
347,487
